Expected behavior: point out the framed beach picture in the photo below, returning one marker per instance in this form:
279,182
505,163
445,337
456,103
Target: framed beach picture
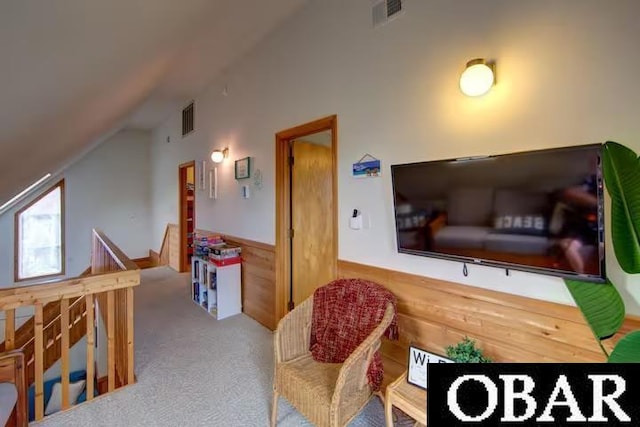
243,168
367,167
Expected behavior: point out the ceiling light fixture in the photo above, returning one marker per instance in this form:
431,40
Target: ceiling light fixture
478,77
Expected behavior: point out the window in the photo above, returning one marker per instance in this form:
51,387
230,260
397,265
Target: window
39,236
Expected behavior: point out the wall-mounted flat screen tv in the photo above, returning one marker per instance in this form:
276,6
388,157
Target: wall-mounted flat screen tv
539,211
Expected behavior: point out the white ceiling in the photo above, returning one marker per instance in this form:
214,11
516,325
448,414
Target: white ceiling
76,71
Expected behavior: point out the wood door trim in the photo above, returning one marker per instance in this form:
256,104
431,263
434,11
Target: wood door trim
182,212
282,202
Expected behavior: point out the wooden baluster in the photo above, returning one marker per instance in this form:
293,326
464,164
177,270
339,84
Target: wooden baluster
90,346
130,349
10,329
101,258
111,345
64,351
39,362
94,255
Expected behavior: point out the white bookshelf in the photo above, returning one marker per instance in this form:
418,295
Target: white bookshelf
216,289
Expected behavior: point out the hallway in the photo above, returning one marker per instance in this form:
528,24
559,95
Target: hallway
193,370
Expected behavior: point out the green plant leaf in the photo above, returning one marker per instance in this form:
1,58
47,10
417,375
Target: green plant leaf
601,306
466,352
621,170
627,350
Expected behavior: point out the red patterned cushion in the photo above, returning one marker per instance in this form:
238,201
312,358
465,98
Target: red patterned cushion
345,312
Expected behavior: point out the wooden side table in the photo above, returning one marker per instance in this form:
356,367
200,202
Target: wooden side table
410,399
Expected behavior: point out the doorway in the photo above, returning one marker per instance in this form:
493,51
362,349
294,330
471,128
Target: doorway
306,211
186,203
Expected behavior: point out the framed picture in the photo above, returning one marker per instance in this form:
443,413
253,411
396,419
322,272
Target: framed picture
201,175
243,168
213,183
418,361
370,169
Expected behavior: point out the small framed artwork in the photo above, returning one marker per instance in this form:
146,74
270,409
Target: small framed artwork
243,168
367,167
213,183
418,361
202,175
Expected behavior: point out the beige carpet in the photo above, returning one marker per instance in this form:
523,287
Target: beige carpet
193,370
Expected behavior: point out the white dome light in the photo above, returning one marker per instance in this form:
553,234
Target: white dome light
217,156
478,78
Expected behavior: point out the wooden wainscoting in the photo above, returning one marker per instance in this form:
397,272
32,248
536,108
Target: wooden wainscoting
144,262
154,258
435,313
171,247
258,279
162,257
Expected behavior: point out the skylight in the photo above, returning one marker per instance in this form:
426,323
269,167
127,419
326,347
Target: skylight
23,193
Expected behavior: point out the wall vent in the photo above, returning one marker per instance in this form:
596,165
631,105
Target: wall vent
385,10
187,120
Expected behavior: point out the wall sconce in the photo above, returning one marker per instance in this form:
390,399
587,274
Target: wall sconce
217,156
478,77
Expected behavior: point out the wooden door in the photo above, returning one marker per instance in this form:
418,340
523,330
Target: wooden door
312,248
186,203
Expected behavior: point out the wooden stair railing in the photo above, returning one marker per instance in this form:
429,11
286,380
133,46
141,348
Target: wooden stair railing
164,248
65,312
12,371
77,326
24,336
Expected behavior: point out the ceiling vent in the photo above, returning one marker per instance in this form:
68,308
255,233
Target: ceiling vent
386,10
187,119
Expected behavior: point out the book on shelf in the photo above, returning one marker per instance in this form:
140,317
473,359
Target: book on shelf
226,250
226,261
196,292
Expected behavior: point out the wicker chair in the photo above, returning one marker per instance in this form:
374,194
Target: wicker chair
328,394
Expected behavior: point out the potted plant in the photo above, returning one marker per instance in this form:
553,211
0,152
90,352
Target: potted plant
466,352
601,304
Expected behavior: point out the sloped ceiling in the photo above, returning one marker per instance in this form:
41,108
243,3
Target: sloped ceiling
76,71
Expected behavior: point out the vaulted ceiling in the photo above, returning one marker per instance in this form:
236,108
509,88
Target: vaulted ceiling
74,71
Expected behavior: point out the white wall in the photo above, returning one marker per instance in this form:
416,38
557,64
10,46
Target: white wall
110,188
107,189
566,75
77,360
